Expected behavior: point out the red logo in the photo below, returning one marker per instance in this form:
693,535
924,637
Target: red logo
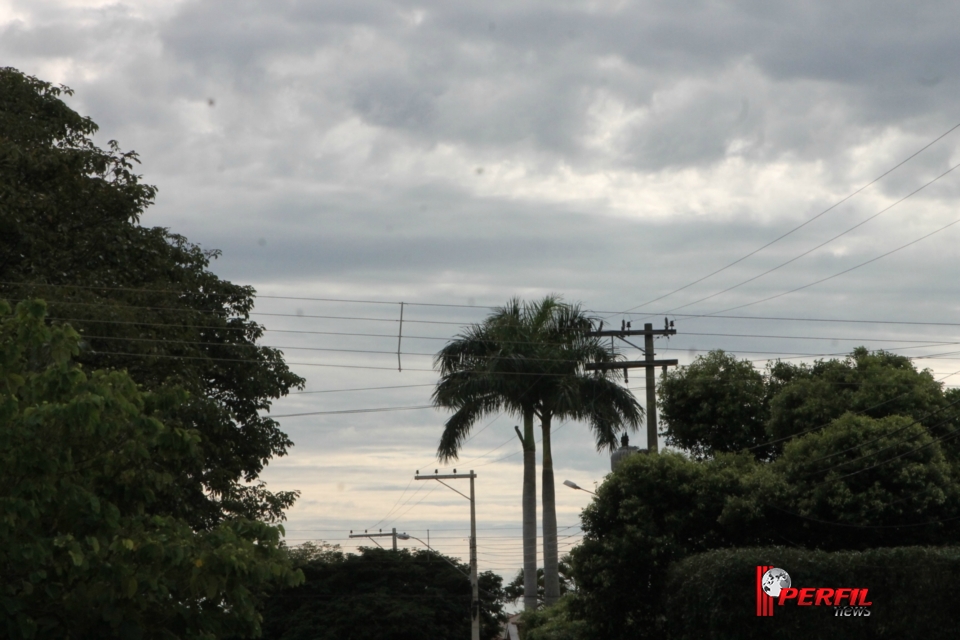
774,584
764,597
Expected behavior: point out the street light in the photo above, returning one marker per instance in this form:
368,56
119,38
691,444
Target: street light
574,485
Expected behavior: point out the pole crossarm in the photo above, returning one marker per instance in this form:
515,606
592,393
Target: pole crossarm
391,534
445,476
649,363
617,333
629,364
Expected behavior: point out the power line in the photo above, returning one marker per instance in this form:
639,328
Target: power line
225,316
395,386
256,295
787,319
302,364
845,271
822,244
800,226
918,344
343,411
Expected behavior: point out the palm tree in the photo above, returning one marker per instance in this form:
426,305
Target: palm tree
528,359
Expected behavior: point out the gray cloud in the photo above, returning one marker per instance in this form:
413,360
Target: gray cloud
445,153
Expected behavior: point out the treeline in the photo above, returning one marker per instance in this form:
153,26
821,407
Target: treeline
847,456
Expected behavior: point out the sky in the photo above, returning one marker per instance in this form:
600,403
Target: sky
636,157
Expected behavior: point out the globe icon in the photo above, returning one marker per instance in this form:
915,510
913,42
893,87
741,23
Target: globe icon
774,580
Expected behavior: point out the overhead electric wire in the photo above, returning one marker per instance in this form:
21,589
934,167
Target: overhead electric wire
394,505
917,344
447,338
825,320
395,386
302,364
840,273
822,244
434,355
800,226
219,314
255,295
345,411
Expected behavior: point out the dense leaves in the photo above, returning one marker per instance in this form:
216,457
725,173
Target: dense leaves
84,551
722,404
514,590
384,594
559,622
716,404
710,596
529,359
858,483
143,298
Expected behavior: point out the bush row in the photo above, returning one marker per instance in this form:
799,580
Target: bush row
713,595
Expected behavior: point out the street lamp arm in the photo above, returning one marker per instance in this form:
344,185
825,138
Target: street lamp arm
574,485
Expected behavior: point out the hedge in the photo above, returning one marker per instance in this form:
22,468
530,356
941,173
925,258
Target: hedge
713,595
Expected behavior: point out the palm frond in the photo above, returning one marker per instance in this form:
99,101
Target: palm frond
458,426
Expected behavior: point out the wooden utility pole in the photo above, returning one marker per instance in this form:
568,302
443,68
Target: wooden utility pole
649,363
474,580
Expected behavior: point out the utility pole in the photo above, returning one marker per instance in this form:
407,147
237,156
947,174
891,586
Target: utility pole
648,362
474,581
380,534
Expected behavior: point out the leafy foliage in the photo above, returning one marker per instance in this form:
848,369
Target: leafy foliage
380,593
716,404
722,404
857,484
84,551
529,358
708,596
558,622
514,590
876,384
143,298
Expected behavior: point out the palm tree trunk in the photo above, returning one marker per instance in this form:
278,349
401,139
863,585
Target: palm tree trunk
551,562
529,514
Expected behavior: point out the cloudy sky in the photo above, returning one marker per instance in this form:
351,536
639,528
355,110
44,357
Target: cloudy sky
367,152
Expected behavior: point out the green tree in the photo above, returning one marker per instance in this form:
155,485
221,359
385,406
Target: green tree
514,590
722,404
856,484
877,384
559,622
378,593
143,298
717,403
84,551
528,359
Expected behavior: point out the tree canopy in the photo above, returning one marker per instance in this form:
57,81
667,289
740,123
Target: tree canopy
85,552
716,404
722,404
379,593
857,483
142,298
529,359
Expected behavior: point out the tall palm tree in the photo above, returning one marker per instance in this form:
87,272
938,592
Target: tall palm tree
528,359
